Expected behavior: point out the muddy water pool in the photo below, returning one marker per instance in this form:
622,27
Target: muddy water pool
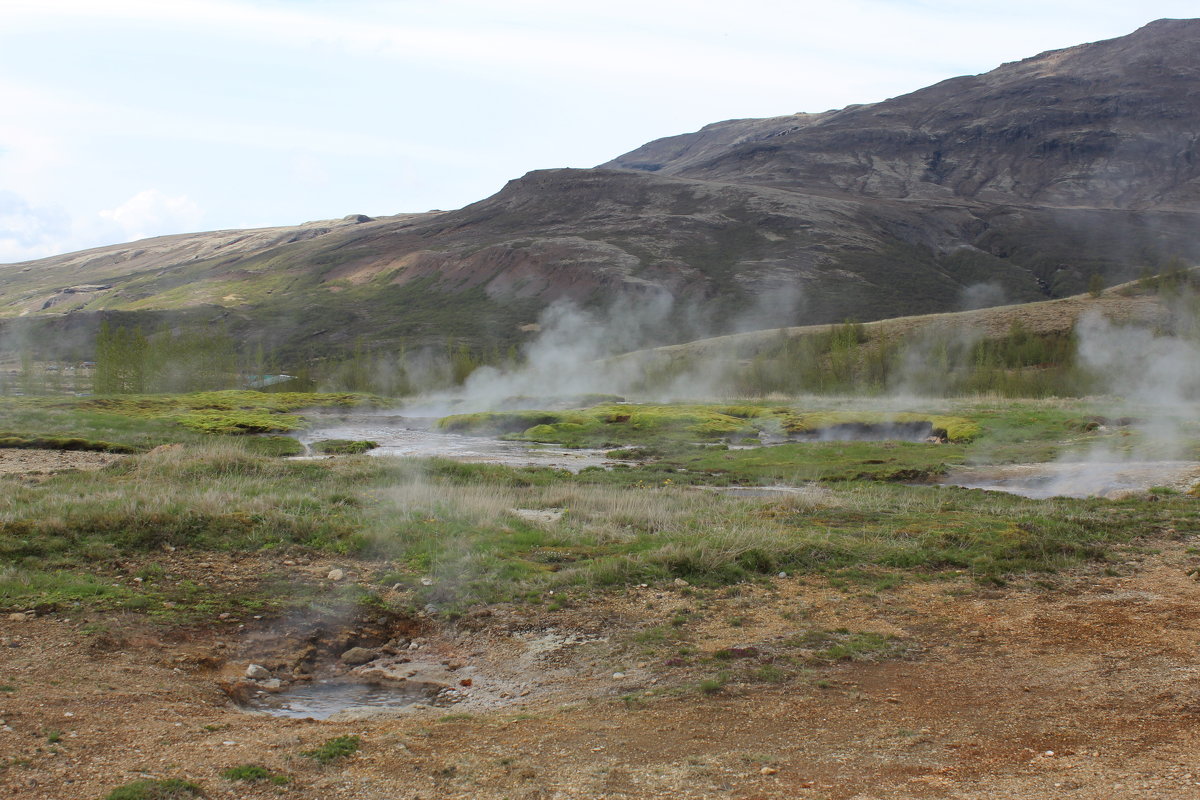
416,436
324,699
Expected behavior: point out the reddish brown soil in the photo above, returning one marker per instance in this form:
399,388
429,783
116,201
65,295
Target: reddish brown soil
1089,689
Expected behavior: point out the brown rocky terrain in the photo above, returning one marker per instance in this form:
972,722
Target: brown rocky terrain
1086,689
1032,177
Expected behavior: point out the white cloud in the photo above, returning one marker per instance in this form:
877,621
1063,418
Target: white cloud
152,213
27,231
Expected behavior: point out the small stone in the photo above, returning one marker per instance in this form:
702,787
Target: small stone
618,676
427,581
336,574
16,617
783,575
273,685
359,655
414,646
681,582
768,771
524,692
257,672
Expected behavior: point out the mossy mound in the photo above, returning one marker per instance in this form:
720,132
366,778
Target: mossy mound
344,447
626,423
62,443
239,422
955,429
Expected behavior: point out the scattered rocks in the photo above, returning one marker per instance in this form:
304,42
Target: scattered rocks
359,655
257,672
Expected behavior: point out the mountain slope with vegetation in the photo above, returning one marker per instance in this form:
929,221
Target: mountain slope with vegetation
1032,180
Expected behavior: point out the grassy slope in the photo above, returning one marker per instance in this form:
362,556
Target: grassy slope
1124,303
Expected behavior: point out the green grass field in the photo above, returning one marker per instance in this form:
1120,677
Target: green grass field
453,534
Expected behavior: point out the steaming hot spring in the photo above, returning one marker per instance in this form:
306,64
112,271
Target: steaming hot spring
1111,480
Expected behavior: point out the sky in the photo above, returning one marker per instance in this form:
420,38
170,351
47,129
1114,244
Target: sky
125,119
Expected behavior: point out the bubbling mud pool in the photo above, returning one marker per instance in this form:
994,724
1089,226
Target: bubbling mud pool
416,437
324,699
1111,480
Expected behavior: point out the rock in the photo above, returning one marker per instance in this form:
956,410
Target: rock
336,574
681,582
618,676
418,674
768,771
359,655
16,617
427,581
257,672
273,685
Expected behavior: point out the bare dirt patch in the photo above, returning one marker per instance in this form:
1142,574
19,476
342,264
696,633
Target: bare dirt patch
19,461
1086,689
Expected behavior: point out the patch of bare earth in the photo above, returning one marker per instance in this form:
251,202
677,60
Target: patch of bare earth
19,461
1087,690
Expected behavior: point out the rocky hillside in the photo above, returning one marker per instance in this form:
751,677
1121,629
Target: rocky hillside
1028,179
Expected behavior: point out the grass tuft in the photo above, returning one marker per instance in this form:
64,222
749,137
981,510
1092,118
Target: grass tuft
166,789
337,748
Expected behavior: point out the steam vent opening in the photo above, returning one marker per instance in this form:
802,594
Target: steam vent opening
919,431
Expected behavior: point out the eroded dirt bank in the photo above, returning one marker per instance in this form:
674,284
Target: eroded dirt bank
1087,689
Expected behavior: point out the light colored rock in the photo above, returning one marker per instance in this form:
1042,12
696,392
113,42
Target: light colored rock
257,672
618,676
359,655
272,685
681,582
336,574
418,674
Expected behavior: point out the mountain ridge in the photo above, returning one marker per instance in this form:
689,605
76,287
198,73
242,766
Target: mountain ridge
1030,178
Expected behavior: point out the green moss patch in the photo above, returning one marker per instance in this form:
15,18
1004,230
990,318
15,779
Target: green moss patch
344,447
168,789
955,429
239,421
63,443
640,424
335,749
